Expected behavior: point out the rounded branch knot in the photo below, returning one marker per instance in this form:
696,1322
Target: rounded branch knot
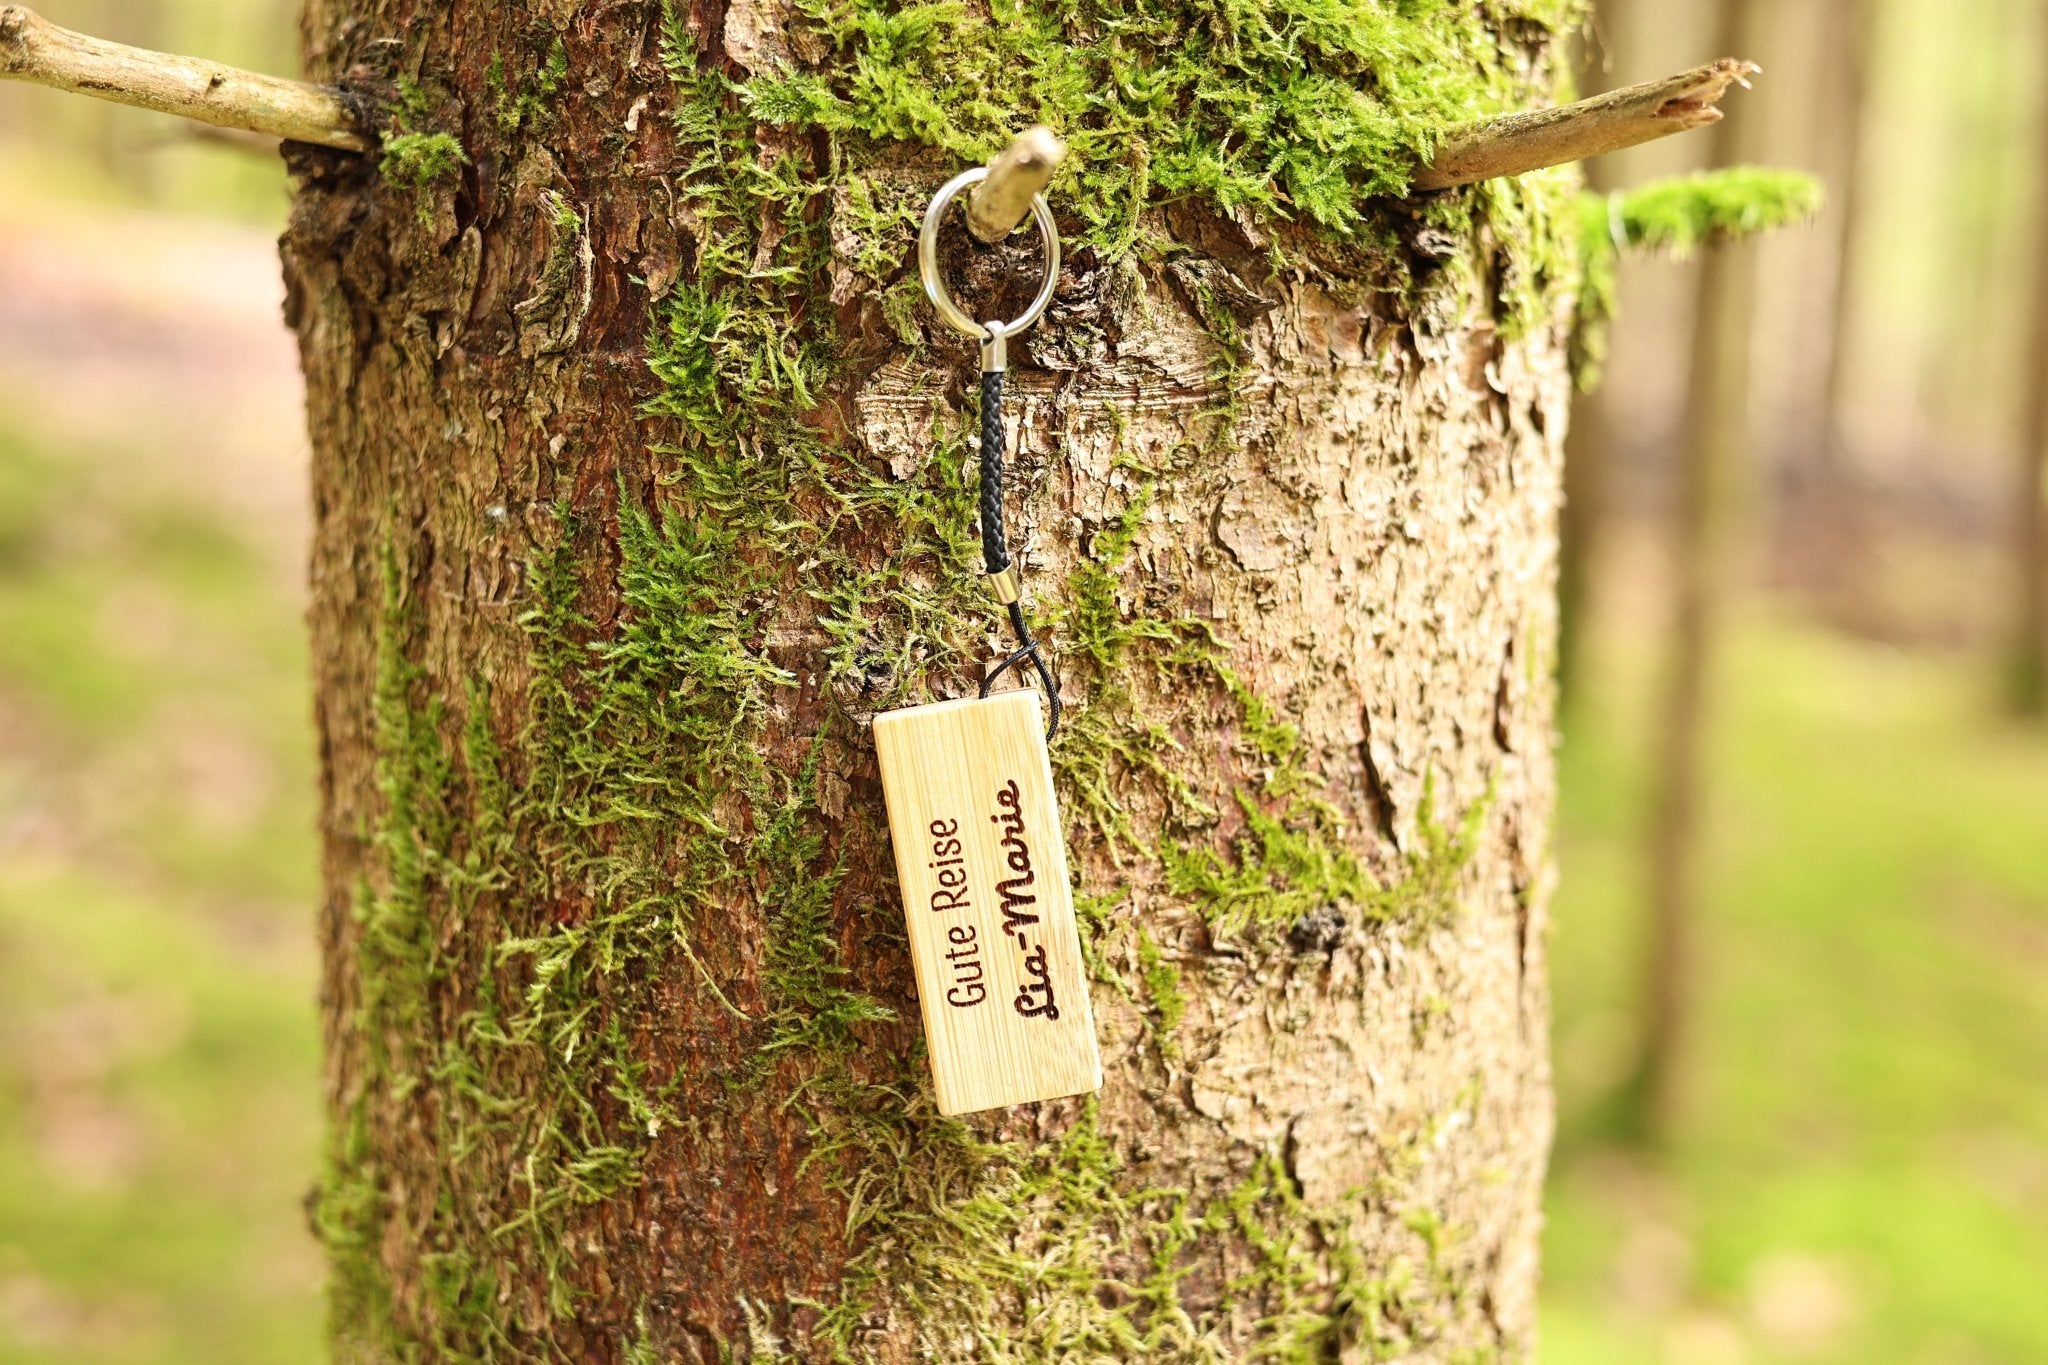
14,24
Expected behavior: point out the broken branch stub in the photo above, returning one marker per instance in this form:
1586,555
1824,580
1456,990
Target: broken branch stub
1024,168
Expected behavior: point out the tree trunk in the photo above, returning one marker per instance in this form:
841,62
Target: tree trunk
2030,542
1853,34
1592,449
1825,485
642,483
1716,436
1594,452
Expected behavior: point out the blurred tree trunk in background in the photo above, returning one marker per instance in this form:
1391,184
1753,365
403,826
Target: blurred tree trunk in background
124,155
1590,447
149,26
1591,452
1715,444
1854,28
1823,487
2030,568
640,482
111,17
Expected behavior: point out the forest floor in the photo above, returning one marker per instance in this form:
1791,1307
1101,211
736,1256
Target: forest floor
1862,1172
1863,1176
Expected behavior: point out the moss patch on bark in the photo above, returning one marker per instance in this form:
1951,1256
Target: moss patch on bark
1300,109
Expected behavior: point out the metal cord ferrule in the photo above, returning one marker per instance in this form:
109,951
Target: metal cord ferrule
1007,586
995,348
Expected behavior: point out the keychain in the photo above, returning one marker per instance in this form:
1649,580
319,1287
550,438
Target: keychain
980,846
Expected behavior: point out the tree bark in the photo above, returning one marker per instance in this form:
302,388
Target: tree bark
609,577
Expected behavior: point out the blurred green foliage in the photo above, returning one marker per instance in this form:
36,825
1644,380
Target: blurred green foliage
1683,213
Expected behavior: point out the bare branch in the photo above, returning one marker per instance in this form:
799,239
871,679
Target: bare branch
35,50
1606,123
1019,171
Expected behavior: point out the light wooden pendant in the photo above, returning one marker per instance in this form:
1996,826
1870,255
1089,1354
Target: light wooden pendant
981,854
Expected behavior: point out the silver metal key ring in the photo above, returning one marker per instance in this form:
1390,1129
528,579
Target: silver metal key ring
935,284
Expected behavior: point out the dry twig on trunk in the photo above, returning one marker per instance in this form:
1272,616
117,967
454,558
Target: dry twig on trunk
1621,118
35,50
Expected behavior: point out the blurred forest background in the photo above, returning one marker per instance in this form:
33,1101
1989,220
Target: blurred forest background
1801,946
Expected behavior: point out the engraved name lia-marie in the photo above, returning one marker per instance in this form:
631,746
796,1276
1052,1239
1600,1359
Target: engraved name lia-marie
1035,995
979,851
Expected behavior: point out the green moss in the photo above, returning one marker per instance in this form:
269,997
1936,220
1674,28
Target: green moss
416,153
1228,333
1162,985
814,1012
520,108
1323,1295
400,913
1274,875
420,162
1297,109
1109,739
1680,215
1290,860
1283,867
348,1218
641,1350
639,756
1526,240
1039,1253
397,926
1294,1251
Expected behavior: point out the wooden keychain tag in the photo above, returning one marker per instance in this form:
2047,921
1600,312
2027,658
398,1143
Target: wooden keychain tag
981,854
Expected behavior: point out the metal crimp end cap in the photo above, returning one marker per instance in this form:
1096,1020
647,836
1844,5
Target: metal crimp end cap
1008,586
995,347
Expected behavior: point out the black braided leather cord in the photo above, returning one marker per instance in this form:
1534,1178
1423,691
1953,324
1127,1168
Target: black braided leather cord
995,554
995,549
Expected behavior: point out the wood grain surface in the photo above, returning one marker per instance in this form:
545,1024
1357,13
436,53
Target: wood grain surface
983,866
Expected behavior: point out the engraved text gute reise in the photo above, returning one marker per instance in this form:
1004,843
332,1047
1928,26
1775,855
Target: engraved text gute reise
949,869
